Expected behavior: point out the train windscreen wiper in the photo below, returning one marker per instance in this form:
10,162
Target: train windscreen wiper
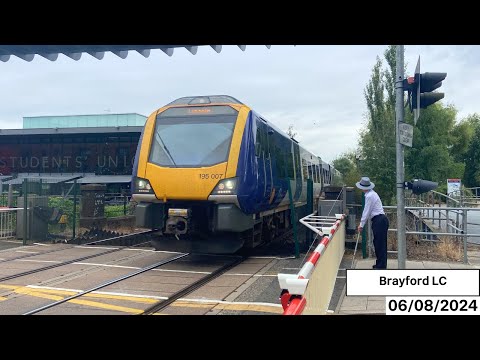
159,140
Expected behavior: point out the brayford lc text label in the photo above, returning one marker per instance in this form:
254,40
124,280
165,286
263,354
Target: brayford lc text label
442,280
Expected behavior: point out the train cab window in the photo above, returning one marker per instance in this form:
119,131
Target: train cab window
193,136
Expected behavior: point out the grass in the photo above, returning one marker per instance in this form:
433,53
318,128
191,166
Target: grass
450,248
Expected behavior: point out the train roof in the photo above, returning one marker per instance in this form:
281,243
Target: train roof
205,99
227,99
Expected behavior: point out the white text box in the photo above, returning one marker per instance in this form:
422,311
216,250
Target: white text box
455,282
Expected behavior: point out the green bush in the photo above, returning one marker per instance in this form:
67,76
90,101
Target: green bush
113,210
65,205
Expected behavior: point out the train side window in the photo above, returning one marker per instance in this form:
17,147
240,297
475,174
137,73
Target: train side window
266,140
290,163
310,170
304,169
258,141
298,165
261,140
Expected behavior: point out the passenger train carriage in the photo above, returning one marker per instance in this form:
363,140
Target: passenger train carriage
212,173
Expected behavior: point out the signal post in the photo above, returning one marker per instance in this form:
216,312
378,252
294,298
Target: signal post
420,95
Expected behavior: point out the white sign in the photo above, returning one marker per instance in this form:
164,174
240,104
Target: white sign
421,282
454,186
406,134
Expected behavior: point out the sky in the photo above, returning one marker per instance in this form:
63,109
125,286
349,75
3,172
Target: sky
318,89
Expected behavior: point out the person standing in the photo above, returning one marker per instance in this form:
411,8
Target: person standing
374,210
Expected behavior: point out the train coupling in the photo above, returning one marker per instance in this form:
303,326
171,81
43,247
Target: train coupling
177,221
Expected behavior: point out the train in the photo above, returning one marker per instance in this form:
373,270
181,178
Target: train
212,174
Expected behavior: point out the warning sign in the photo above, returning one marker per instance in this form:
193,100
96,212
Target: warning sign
453,187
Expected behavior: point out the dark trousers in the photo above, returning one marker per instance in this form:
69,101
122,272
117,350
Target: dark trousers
380,229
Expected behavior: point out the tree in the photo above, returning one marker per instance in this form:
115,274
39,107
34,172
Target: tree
437,153
430,157
343,164
462,134
346,164
377,140
291,132
472,159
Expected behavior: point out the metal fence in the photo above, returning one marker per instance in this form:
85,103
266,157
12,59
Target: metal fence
8,222
448,213
53,209
467,196
436,217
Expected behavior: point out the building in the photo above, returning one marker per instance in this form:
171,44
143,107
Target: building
67,146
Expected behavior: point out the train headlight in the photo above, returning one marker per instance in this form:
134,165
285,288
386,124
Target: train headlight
226,187
142,186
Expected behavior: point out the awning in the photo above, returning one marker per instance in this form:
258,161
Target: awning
105,179
44,178
75,52
82,178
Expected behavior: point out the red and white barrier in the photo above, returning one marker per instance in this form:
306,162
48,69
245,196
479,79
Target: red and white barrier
293,285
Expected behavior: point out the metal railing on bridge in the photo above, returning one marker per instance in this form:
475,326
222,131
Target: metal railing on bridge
439,217
467,196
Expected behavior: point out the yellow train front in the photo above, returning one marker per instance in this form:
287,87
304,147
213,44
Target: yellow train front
211,175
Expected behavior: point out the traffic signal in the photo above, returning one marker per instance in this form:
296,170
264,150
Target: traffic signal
419,186
421,90
423,94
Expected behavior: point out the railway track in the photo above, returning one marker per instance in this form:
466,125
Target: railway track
192,287
160,304
157,307
96,242
105,284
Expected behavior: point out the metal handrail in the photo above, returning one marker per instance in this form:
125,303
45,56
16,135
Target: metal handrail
467,193
448,211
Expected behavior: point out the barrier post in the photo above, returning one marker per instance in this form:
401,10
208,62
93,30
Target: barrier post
74,208
25,227
10,196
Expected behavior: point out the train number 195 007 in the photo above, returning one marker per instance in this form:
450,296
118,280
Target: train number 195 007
210,176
